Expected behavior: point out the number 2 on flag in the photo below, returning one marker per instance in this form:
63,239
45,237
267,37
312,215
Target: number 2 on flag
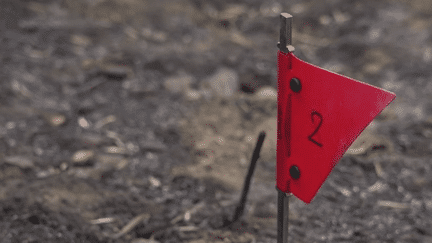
288,127
315,113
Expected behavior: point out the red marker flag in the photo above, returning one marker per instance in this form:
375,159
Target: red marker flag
320,114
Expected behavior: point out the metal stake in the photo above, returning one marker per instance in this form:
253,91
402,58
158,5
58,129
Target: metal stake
284,45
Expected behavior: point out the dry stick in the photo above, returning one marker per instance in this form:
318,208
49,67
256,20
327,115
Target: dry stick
239,210
134,222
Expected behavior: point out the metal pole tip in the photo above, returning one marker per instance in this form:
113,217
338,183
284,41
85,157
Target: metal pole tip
285,38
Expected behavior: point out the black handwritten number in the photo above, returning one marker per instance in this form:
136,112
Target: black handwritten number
314,113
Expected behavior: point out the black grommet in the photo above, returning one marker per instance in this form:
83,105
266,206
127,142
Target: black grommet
295,85
294,172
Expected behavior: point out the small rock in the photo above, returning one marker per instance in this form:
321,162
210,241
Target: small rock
224,82
46,173
83,122
266,93
82,156
114,150
64,166
54,120
192,94
154,182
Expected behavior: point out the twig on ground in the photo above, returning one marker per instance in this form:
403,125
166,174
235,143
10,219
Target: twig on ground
391,204
134,222
102,221
186,216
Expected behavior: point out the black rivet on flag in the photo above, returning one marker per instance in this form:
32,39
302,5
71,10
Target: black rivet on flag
294,172
295,85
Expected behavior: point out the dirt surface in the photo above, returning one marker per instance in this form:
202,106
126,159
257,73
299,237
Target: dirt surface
135,121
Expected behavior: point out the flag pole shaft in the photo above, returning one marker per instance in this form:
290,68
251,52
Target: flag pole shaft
283,217
284,45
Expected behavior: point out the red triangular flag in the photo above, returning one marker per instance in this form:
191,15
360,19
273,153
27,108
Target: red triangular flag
320,114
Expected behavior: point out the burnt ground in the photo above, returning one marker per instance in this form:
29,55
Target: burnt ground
134,120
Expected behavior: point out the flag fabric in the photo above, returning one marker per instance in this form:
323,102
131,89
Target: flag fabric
320,114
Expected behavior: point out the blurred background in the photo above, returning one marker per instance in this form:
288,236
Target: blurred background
135,120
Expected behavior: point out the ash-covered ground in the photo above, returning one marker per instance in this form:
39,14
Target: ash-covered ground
135,120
